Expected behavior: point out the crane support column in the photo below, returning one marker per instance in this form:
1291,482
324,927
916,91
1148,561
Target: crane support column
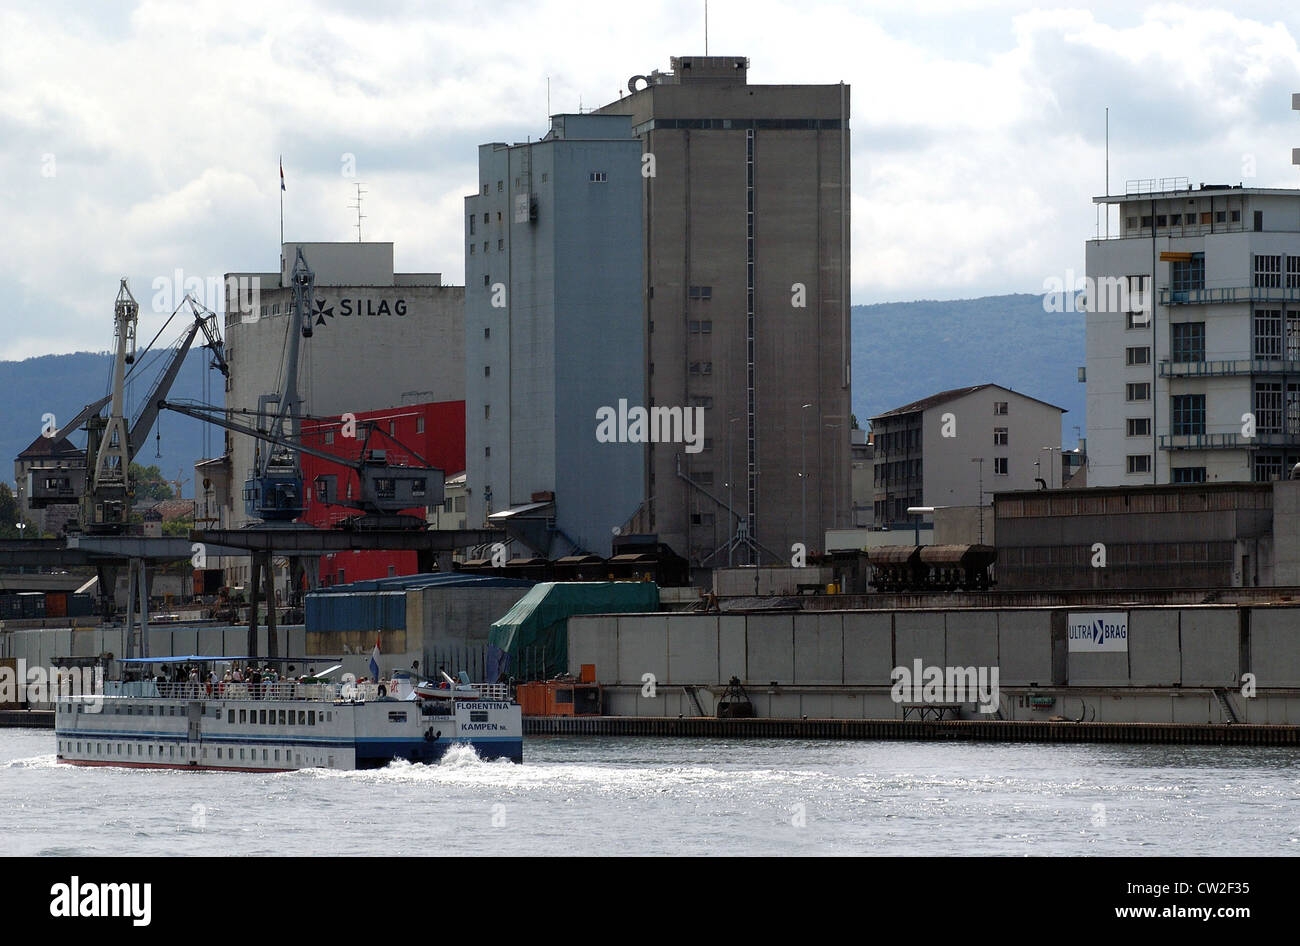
254,587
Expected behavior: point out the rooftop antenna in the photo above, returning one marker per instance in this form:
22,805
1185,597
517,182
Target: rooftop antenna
706,27
548,100
1108,170
357,207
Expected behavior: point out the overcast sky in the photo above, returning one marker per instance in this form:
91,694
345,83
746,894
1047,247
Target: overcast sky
139,138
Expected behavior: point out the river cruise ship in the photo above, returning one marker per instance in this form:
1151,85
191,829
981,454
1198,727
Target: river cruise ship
277,727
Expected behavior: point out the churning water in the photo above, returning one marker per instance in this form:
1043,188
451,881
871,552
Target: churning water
588,795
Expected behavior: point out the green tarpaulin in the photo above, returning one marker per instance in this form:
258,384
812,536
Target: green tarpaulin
532,640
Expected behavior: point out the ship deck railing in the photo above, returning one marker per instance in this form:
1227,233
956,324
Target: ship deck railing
310,692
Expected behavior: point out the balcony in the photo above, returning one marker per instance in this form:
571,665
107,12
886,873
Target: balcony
1190,230
1219,369
1231,441
1228,294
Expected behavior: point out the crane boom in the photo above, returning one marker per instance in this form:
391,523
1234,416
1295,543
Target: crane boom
384,488
274,491
204,319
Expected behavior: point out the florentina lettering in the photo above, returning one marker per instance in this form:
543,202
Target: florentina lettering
95,900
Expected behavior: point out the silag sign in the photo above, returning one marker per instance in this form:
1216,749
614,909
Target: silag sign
1099,632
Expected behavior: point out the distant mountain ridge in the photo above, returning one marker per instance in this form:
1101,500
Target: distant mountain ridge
902,352
63,384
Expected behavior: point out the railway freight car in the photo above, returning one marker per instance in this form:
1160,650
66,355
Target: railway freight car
932,567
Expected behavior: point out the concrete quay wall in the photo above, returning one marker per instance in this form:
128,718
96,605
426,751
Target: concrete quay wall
839,664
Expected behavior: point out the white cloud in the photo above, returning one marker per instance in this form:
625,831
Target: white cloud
977,129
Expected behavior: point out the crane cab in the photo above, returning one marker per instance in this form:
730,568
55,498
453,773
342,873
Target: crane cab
275,497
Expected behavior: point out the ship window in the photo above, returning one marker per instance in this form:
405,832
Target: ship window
311,717
302,717
282,719
261,717
243,716
231,717
241,753
263,755
277,755
78,747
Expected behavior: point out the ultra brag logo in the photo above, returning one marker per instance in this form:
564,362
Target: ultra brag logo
1099,632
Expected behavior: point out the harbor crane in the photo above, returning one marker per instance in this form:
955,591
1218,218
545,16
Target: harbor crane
103,487
274,491
385,489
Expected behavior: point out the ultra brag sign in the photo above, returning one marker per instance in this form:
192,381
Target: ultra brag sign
1099,632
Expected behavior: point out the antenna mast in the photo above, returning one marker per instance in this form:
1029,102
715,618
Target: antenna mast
357,207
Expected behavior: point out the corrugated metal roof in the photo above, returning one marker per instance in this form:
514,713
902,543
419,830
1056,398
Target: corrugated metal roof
402,583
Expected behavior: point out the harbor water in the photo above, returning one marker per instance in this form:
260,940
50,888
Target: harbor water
594,796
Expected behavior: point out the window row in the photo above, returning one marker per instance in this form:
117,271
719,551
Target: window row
1270,273
1190,219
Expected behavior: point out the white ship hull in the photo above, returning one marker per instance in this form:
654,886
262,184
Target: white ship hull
276,735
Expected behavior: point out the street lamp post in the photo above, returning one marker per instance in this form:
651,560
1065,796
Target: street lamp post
835,477
1051,477
803,470
731,505
979,499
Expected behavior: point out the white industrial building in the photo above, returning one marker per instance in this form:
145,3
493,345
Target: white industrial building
958,447
1193,335
380,339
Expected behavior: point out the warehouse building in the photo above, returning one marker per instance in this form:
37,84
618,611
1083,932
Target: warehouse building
554,334
958,447
1212,536
746,288
380,340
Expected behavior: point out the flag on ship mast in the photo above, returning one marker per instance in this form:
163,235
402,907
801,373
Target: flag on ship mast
374,660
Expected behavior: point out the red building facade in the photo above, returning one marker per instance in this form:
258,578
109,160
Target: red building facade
411,435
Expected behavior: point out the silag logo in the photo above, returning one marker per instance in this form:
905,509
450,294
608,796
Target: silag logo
1099,632
321,310
95,900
